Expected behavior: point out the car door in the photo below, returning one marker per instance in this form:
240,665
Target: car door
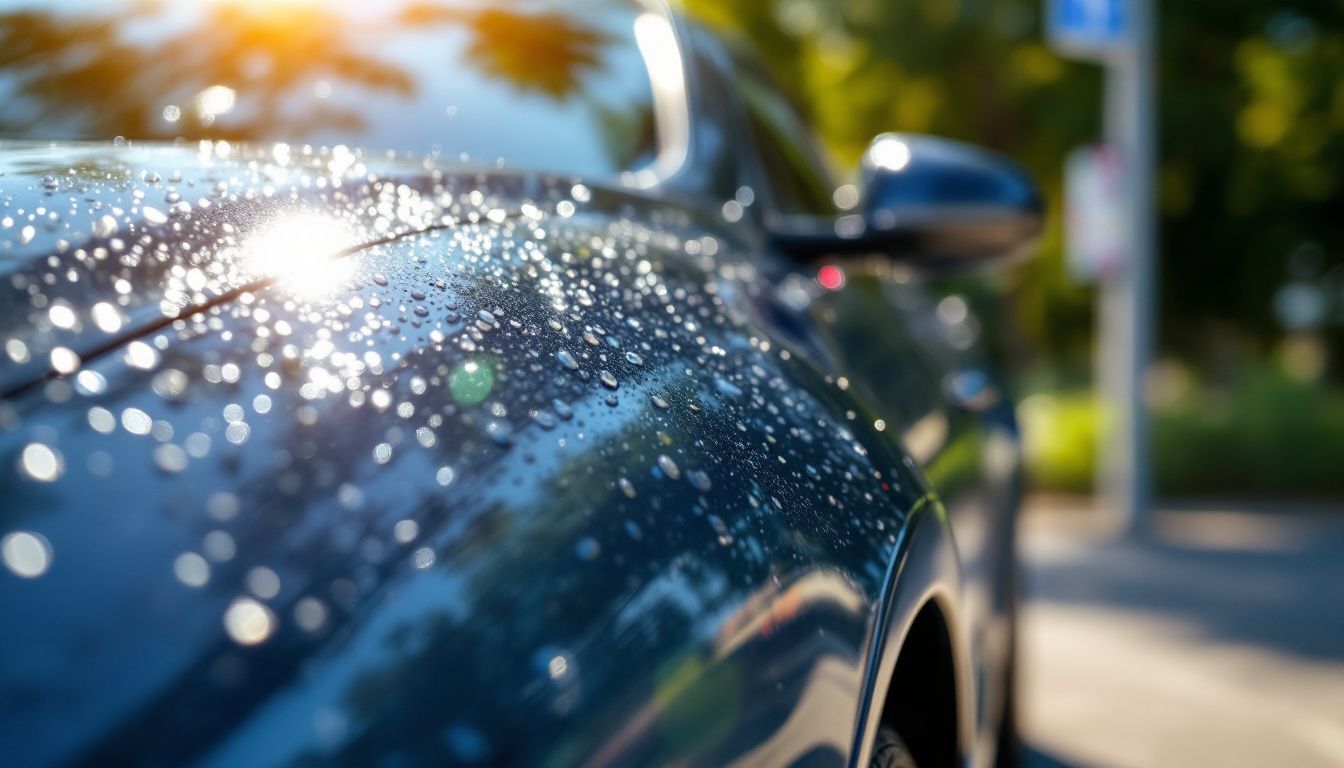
913,348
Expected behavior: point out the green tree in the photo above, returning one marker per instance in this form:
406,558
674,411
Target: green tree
1252,109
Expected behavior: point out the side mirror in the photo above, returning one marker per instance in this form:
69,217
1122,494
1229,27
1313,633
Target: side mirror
929,201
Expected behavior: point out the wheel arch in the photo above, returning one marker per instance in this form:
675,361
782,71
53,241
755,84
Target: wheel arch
919,612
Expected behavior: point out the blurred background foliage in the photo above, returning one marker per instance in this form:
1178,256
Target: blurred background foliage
1247,389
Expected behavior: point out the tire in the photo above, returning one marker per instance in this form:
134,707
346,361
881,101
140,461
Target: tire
1009,750
890,751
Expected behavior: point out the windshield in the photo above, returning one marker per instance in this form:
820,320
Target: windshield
549,86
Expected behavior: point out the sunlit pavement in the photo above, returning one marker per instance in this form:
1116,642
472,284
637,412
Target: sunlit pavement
1219,640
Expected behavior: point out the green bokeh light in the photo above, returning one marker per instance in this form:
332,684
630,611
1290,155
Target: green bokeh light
472,381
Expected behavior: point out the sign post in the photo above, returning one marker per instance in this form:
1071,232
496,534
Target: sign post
1119,33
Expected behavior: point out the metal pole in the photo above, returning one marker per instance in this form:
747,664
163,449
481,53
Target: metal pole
1126,301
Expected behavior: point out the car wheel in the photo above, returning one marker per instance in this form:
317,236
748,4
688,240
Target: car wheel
890,751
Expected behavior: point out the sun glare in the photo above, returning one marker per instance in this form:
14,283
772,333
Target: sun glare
302,251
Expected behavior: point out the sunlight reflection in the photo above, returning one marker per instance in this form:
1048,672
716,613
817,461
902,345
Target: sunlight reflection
658,45
890,153
301,251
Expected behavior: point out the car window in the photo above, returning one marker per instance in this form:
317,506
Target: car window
798,179
554,86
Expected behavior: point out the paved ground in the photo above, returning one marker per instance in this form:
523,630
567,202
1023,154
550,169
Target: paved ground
1217,641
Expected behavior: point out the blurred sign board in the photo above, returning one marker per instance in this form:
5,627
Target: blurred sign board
1088,29
1094,213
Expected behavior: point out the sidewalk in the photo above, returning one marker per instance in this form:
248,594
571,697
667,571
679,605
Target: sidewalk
1217,641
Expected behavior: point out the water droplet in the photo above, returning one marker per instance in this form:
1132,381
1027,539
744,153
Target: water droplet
310,614
234,413
222,506
500,433
104,227
102,420
627,487
62,316
423,558
425,436
633,358
237,432
136,421
248,622
609,381
699,480
382,453
725,538
41,462
170,458
567,360
658,402
17,350
669,467
153,215
732,211
546,420
405,531
106,317
191,569
263,582
141,355
727,388
27,555
632,530
562,409
381,399
169,384
64,360
90,382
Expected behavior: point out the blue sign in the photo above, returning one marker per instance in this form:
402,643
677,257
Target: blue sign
1088,28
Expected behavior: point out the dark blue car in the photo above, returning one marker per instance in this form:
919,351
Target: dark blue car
465,383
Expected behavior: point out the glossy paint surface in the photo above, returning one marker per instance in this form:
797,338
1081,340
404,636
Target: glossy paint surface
536,474
319,455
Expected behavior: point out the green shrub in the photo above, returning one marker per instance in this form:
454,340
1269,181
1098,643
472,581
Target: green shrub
1060,433
1268,436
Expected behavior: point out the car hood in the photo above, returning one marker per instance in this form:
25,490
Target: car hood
311,458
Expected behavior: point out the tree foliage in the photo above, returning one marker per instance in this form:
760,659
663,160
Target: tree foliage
1251,130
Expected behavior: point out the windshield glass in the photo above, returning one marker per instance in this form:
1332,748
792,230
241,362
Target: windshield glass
551,86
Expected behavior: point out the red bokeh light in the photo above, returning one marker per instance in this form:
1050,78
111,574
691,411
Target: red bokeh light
831,277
